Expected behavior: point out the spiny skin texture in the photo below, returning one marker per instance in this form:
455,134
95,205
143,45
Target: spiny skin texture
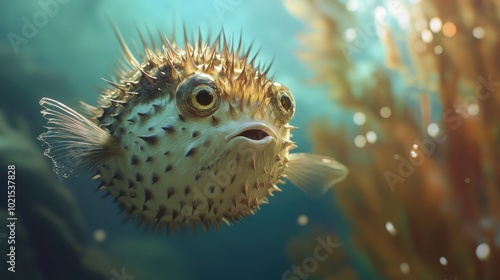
174,168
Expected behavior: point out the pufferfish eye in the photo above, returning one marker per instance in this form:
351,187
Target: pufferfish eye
198,96
283,102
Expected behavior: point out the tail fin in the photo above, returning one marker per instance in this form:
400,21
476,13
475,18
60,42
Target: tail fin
74,142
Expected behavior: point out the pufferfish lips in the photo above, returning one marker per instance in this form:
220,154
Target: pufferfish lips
257,134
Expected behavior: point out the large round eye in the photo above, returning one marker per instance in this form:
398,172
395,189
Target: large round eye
198,96
283,102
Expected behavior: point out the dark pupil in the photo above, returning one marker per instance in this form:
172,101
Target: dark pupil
286,103
204,97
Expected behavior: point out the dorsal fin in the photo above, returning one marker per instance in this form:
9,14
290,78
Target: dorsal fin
74,142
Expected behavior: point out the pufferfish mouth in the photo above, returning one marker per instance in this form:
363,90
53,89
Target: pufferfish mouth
255,133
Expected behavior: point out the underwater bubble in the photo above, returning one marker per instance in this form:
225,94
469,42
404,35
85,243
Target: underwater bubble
426,36
420,24
405,268
302,220
396,157
435,24
352,5
99,235
371,137
413,154
390,228
360,141
478,32
385,112
359,118
449,29
443,261
438,50
350,35
467,180
473,109
483,251
433,130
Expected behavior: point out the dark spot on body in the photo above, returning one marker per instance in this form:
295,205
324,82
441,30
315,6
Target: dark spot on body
168,168
195,204
162,211
210,204
150,128
131,184
183,128
141,148
215,121
134,160
197,177
175,214
157,107
152,139
167,153
168,129
190,152
187,190
149,159
138,177
131,121
170,192
154,179
117,175
143,116
195,134
148,195
181,117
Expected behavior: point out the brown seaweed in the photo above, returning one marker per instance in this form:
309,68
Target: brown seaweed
423,198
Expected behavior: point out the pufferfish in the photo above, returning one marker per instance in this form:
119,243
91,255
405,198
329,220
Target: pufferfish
187,137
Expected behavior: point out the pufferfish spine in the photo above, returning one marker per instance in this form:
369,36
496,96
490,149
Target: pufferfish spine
187,136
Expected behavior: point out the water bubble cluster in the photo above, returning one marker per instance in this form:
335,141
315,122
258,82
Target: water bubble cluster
413,152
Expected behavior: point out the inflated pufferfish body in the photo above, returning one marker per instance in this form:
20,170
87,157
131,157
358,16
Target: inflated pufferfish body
187,136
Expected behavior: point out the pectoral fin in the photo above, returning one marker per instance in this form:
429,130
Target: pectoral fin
74,142
314,174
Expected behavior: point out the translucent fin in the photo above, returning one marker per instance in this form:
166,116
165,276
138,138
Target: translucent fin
314,174
74,142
